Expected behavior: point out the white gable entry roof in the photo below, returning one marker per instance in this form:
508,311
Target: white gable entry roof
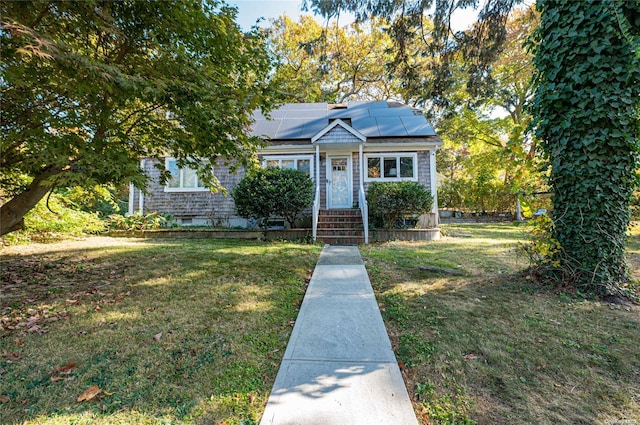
352,135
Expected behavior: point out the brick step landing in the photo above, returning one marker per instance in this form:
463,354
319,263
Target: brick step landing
340,227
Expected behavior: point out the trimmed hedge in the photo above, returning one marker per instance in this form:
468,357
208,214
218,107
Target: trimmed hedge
391,203
271,192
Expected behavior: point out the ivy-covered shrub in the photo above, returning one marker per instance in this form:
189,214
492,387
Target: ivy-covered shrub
273,192
391,203
586,107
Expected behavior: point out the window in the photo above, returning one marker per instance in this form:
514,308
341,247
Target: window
182,179
302,163
391,167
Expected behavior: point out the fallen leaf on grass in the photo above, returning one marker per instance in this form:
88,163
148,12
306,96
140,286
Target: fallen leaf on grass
66,369
11,356
89,394
251,398
4,399
36,328
471,356
157,336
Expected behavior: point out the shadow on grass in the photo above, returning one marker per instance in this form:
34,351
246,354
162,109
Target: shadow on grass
168,330
492,347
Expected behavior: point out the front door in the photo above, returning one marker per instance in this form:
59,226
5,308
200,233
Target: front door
339,182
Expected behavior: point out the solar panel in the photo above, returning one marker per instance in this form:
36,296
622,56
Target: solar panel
306,113
417,126
357,104
306,106
372,119
391,126
290,129
340,113
390,112
367,126
265,128
313,127
381,104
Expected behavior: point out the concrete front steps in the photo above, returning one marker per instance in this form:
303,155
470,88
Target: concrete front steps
340,227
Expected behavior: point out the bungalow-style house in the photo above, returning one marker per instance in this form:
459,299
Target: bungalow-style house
343,148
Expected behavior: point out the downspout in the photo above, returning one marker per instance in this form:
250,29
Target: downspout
362,198
434,183
131,195
316,198
317,165
361,166
141,203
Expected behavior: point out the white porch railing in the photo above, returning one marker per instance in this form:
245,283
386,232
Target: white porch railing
316,211
364,209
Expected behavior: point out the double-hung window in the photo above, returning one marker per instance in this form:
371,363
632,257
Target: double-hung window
182,179
391,166
303,163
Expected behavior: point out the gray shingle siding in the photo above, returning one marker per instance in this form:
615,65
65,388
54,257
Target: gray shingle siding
214,208
219,209
339,134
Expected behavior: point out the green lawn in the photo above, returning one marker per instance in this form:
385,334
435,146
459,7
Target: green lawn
480,345
193,331
169,331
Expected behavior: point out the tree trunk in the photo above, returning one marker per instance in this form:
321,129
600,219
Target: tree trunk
12,213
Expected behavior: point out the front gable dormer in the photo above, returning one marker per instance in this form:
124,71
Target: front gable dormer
338,131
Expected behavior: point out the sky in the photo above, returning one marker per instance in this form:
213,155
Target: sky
251,10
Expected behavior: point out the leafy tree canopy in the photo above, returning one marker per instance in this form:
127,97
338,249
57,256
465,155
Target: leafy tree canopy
332,64
88,88
409,27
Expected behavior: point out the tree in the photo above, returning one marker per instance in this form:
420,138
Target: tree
271,192
494,130
89,88
409,28
587,110
331,64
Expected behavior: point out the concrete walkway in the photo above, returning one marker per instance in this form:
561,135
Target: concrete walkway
339,368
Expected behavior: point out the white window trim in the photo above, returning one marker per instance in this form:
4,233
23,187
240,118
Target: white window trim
182,189
280,158
397,155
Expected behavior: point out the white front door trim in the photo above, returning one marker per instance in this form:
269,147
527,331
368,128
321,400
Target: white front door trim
347,200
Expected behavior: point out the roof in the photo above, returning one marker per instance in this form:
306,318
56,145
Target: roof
372,119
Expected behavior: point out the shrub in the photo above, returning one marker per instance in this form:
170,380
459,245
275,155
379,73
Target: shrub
270,192
478,195
60,220
451,194
393,202
540,247
137,221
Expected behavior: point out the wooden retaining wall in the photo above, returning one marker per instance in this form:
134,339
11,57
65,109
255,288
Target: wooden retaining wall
404,235
286,234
